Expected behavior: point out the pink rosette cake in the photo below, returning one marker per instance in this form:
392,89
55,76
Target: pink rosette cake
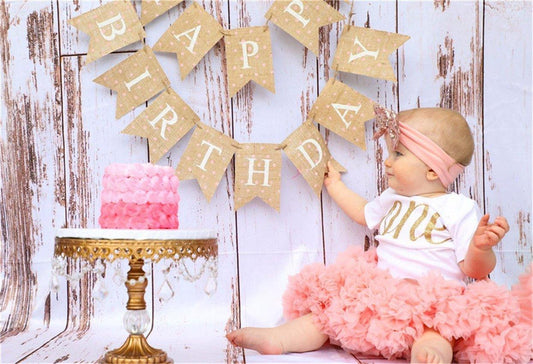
139,196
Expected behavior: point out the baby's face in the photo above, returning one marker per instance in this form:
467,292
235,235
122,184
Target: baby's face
406,173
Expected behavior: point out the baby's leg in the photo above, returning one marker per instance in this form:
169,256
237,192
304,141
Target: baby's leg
431,347
297,336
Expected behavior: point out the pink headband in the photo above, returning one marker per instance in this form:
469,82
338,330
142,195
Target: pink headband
446,168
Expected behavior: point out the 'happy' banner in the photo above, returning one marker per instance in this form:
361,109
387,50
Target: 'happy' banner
151,9
302,19
168,118
249,57
191,36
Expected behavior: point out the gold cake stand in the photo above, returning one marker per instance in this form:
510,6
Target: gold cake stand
135,349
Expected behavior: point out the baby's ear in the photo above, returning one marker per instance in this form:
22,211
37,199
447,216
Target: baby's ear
431,175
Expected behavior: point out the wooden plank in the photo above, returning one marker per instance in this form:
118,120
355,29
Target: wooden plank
192,324
31,176
365,172
92,141
273,245
507,130
441,65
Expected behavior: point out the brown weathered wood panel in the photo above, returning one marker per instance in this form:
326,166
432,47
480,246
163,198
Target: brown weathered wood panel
31,154
365,172
444,68
507,131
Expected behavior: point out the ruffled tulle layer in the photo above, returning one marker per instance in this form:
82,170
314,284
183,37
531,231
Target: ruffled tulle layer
365,310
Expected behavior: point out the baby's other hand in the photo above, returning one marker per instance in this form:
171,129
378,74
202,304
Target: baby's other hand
332,175
489,234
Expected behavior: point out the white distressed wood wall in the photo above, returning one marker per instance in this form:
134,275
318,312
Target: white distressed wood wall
58,133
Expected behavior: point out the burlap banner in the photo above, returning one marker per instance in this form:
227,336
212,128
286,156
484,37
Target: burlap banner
258,174
166,120
366,52
191,36
136,79
249,57
344,111
151,9
307,150
302,19
110,27
206,158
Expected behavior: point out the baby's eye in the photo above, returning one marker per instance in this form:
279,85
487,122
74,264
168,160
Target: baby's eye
397,153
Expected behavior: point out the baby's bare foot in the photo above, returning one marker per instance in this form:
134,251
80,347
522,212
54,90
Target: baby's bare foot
430,356
262,340
431,348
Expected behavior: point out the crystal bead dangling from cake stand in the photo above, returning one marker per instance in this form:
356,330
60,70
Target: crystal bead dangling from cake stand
54,283
191,269
118,277
211,284
147,268
100,289
59,265
165,292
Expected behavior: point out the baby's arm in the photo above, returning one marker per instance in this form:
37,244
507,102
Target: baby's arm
480,259
350,202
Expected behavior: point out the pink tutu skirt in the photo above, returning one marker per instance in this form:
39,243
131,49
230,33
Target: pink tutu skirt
365,310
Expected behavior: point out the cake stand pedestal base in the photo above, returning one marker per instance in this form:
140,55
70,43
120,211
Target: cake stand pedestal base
135,246
136,350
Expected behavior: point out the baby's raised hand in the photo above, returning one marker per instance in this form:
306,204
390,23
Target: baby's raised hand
331,176
489,234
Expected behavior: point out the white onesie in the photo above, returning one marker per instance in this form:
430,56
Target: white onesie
420,234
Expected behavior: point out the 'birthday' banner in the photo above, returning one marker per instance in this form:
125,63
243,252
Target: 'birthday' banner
167,119
164,122
366,52
111,27
136,79
206,158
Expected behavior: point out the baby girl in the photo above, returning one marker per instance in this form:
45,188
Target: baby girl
408,298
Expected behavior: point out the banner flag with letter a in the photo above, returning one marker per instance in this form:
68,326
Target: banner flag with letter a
191,36
344,111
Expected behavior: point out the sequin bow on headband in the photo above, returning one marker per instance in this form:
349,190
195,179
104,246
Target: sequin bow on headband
387,122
